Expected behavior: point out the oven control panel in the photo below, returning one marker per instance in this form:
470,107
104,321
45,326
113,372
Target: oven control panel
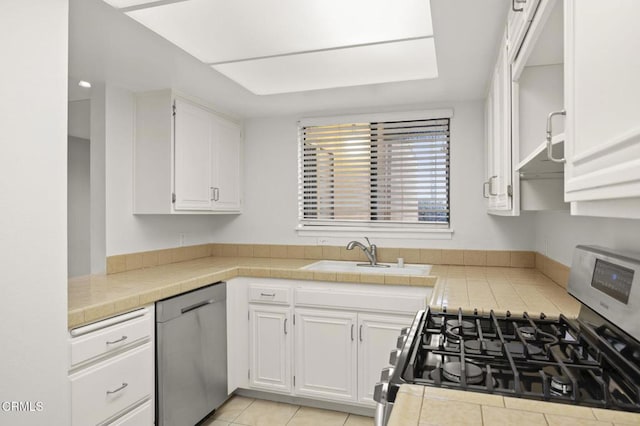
613,280
607,282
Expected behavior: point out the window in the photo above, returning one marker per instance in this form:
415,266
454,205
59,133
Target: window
378,173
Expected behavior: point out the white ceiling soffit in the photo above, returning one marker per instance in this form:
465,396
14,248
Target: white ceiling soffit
244,38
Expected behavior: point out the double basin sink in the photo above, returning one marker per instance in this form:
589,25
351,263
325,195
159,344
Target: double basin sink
359,267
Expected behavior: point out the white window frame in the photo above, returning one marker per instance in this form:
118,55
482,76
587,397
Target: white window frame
344,229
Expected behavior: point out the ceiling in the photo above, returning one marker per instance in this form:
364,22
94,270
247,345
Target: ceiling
283,46
106,45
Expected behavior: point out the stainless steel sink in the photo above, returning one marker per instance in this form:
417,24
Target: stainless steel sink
359,267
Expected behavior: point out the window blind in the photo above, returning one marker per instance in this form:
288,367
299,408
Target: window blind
375,172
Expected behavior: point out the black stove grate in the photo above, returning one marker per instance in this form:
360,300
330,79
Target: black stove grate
556,360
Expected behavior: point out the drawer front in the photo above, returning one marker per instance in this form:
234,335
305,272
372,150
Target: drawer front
366,301
141,416
107,388
106,340
269,294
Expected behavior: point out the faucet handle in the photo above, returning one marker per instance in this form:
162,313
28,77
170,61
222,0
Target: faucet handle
368,242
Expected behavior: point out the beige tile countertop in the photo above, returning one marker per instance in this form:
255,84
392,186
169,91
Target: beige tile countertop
423,405
95,297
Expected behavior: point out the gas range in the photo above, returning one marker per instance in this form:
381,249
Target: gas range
591,361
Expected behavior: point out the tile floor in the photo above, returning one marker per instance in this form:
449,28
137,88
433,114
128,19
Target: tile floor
256,412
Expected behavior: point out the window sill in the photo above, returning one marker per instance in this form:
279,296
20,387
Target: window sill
416,233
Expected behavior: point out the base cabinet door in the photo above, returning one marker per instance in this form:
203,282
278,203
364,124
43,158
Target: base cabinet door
326,354
377,337
270,342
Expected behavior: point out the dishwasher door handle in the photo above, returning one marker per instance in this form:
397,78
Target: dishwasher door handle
197,305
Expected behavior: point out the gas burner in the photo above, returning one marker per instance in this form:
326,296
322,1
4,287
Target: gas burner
528,332
490,346
517,348
561,385
453,329
452,371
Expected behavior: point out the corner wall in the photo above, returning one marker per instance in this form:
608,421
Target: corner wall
33,208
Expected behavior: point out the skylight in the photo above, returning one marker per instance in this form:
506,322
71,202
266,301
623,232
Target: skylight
279,46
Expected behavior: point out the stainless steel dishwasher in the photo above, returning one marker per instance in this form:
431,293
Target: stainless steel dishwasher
191,355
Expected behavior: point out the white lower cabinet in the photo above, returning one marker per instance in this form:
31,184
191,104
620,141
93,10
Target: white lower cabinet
270,342
339,355
377,337
320,340
326,362
112,371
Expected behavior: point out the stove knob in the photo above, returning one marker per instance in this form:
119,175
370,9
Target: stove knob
380,392
386,374
400,341
405,331
393,357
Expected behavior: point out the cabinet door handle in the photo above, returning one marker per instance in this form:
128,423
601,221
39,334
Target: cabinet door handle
490,182
212,193
216,194
351,332
360,332
124,385
285,325
113,342
513,5
484,189
267,294
550,136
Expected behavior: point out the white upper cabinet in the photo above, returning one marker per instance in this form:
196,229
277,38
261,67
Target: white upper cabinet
537,74
498,186
602,94
187,158
519,20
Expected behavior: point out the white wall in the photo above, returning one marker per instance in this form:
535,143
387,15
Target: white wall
126,233
79,119
270,190
557,234
33,204
78,207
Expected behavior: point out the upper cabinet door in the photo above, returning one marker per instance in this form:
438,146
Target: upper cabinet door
193,136
192,175
498,187
225,158
602,97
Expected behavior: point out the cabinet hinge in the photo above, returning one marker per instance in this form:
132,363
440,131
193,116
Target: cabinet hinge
173,197
174,110
510,190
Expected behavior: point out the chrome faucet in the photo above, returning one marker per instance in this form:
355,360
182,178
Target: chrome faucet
370,252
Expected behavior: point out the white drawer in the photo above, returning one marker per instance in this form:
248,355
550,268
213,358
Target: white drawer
141,416
269,294
360,300
108,339
110,387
